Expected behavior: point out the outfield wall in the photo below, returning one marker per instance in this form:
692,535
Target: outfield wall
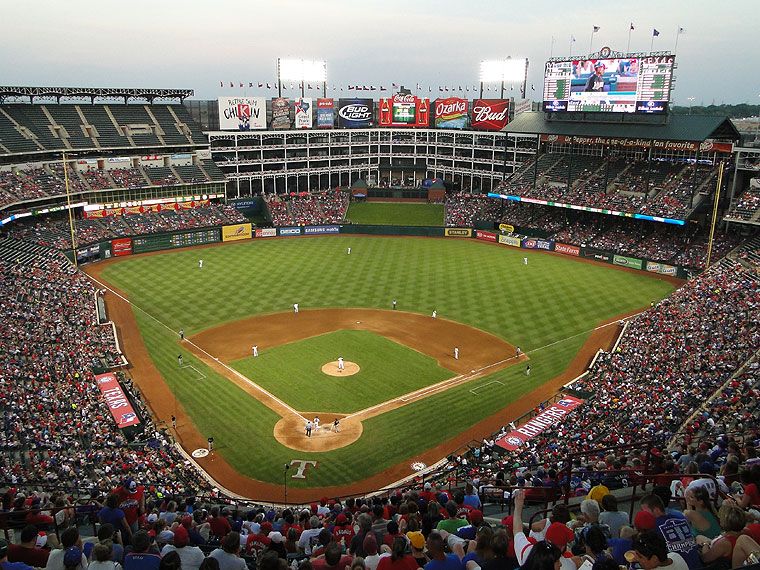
189,238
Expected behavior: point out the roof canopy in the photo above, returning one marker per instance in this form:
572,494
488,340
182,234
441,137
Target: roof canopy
93,93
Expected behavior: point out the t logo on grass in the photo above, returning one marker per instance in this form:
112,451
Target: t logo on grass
303,464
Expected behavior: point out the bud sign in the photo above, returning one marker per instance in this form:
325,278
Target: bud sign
490,114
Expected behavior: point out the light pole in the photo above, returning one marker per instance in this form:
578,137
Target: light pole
285,480
691,100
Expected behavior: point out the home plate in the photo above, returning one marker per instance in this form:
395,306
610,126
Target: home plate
358,322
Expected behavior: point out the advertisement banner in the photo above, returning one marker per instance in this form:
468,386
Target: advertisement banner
692,146
661,268
598,254
404,111
266,232
242,113
280,113
490,114
117,401
290,231
506,228
308,230
523,105
236,232
534,243
627,261
530,429
355,113
567,249
303,113
510,240
457,232
325,116
488,236
121,246
450,113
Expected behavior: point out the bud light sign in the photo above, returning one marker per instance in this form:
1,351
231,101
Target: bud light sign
355,113
490,114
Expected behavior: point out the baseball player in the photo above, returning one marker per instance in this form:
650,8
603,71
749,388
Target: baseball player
181,334
316,423
348,252
255,349
525,261
336,425
527,370
517,353
456,353
295,307
200,263
435,313
308,428
174,422
179,359
394,304
341,367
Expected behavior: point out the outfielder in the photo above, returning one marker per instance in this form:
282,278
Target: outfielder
295,307
200,263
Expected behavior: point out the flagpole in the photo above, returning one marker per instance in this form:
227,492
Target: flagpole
571,45
678,33
628,49
551,48
651,44
591,41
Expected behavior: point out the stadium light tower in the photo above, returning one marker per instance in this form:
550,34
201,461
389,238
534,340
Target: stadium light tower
301,70
504,70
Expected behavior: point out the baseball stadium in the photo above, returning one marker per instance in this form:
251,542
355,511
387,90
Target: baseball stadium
264,303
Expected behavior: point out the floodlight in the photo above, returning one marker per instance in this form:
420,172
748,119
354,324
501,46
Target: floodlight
302,70
508,70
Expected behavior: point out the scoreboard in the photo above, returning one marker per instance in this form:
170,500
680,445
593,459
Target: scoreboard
170,241
619,85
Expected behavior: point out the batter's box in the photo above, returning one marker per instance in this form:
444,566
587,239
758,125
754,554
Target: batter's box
200,374
476,388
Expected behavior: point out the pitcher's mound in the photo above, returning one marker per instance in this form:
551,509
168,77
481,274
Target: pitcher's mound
349,368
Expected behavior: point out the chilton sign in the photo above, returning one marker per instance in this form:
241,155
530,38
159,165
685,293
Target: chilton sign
530,429
692,146
490,114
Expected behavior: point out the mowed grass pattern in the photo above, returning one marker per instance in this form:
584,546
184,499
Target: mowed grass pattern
395,214
547,308
293,372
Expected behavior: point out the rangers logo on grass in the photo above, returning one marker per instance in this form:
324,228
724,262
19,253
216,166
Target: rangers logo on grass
418,466
200,453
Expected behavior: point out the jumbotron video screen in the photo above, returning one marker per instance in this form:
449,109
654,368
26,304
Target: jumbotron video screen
620,85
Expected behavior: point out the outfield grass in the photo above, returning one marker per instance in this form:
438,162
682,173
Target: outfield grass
395,214
547,308
387,370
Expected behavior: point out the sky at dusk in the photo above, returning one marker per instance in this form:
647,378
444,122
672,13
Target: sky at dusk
198,44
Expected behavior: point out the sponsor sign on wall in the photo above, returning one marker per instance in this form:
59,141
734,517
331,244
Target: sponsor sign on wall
242,113
488,236
506,228
236,232
117,401
457,232
325,115
290,231
266,232
624,261
567,249
321,230
530,429
535,243
303,113
450,113
510,240
355,113
523,105
661,268
691,146
490,114
597,254
280,113
121,246
404,111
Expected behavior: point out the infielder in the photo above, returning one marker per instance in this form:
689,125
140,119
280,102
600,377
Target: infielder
394,304
517,354
181,334
336,425
341,367
527,370
295,307
200,263
316,423
255,349
179,359
456,353
174,422
435,313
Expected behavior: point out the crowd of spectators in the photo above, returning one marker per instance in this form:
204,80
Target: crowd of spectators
324,207
747,206
463,209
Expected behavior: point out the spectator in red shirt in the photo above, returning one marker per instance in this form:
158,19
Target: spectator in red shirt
220,526
26,551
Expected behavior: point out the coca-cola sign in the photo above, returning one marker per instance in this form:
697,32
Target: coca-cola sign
355,113
451,113
403,111
490,114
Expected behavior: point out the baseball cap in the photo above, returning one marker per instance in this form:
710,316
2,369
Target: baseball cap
72,556
187,521
341,519
559,535
181,538
416,538
644,520
276,536
476,516
598,64
507,521
266,527
427,486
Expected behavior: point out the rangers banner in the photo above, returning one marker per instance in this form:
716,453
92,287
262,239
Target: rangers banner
303,113
117,401
280,113
451,113
404,111
530,429
242,113
490,114
325,115
355,113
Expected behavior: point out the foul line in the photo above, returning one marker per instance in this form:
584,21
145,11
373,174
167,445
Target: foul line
199,349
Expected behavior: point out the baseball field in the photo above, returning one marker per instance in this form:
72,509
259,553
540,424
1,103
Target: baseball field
406,398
